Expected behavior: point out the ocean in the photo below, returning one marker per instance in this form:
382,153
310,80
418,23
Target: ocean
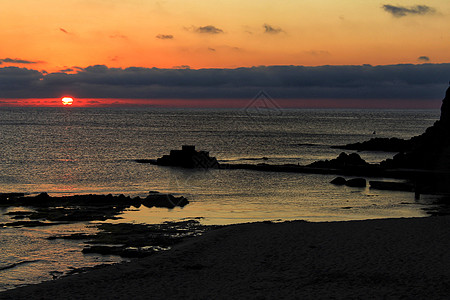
68,150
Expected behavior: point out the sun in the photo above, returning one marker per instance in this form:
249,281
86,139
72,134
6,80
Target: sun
67,101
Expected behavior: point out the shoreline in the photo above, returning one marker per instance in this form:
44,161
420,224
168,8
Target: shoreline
395,258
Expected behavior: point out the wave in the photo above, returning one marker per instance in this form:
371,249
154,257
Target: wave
2,268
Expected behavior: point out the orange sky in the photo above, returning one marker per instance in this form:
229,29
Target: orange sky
57,35
69,36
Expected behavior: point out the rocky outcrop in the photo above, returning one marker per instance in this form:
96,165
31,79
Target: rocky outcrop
430,150
188,157
379,144
156,199
78,208
343,161
354,182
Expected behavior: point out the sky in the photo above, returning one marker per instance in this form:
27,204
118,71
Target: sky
223,53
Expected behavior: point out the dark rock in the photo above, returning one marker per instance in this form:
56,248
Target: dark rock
42,196
338,181
140,240
430,150
356,182
164,200
379,144
79,208
5,198
344,160
188,157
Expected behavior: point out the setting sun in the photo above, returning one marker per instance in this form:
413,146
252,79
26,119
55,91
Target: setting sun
67,101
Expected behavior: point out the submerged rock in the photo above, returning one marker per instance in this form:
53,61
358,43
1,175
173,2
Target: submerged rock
138,240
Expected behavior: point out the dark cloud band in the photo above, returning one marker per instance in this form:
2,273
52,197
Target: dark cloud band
18,61
406,81
402,11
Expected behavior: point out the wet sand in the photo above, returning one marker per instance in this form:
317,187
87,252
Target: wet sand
392,258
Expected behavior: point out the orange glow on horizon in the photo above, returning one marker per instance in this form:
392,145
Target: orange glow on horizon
228,103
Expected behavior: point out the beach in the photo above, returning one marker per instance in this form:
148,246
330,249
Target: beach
388,258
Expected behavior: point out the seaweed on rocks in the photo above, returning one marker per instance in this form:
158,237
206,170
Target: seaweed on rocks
79,208
138,240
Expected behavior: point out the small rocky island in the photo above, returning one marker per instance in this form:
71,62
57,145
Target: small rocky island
187,157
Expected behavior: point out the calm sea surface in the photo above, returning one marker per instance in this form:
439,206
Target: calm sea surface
73,151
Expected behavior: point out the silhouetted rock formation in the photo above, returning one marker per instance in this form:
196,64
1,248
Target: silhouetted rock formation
379,144
164,200
343,161
188,157
354,182
338,181
78,208
430,150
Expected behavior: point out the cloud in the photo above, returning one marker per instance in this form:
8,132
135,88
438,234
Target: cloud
271,30
14,79
18,61
407,82
423,58
164,36
209,29
63,30
403,11
181,67
118,36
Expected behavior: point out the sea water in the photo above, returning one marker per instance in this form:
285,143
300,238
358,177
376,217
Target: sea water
66,151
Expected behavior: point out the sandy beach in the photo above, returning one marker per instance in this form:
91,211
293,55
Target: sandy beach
390,258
